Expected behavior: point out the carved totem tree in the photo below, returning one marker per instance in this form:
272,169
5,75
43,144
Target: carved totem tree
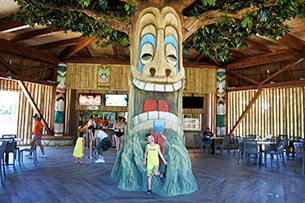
155,103
156,30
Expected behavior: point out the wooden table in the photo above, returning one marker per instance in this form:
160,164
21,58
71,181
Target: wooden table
14,141
261,144
214,140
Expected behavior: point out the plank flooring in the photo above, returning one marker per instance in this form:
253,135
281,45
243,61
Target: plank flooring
219,178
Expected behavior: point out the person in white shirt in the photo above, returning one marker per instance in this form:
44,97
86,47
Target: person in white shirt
103,145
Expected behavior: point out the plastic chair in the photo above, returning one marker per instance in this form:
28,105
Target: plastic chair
278,151
33,151
197,141
250,148
11,147
2,150
299,148
224,144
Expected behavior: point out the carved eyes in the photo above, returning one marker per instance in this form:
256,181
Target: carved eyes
147,53
171,54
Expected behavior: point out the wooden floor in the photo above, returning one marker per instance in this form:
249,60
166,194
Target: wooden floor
219,179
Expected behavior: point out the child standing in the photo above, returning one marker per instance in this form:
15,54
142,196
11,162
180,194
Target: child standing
79,148
151,155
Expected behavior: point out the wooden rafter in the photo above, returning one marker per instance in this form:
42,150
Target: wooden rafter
282,70
71,50
29,35
28,52
263,59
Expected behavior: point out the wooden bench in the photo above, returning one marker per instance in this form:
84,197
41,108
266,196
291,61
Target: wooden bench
47,139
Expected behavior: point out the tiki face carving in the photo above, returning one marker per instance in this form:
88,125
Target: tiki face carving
158,46
157,73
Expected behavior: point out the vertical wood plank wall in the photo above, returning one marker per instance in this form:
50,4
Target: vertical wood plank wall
276,112
42,96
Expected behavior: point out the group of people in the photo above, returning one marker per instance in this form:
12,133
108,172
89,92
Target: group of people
151,154
98,135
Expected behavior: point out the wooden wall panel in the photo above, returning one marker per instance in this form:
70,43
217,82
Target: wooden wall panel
43,98
196,80
275,112
84,77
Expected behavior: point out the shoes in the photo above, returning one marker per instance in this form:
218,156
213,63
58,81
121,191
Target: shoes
30,156
149,192
99,161
162,177
42,156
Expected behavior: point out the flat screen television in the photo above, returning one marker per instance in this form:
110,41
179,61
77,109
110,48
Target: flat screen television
90,99
120,100
192,102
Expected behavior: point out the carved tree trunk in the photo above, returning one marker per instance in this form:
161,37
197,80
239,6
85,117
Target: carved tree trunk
155,104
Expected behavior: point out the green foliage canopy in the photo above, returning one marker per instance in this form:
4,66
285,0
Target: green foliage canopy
238,21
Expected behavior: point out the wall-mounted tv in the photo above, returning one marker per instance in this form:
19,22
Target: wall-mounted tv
116,100
90,99
192,102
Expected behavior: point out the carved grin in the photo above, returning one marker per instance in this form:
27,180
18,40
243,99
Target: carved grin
155,105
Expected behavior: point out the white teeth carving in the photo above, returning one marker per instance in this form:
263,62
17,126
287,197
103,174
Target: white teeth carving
147,118
157,87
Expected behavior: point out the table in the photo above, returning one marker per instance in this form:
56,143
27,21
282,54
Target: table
214,140
13,146
261,145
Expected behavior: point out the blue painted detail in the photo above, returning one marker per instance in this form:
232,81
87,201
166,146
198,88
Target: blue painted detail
172,40
148,38
159,126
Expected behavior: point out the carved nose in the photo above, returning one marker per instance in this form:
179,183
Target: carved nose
152,71
168,72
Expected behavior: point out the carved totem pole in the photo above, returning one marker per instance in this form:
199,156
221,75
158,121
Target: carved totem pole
155,104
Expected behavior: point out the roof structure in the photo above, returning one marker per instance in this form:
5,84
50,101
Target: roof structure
264,62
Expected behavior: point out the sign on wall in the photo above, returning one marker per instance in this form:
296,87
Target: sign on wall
103,79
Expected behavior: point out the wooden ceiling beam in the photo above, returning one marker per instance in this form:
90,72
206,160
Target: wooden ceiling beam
12,69
285,68
61,43
254,82
238,53
8,23
255,45
292,83
32,34
21,50
293,42
87,52
71,50
263,59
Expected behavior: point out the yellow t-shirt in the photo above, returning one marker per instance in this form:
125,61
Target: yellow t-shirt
152,158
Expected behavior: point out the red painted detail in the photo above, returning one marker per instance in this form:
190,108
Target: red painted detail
150,105
163,105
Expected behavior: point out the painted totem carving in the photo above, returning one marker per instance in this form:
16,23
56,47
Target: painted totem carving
155,105
221,102
60,100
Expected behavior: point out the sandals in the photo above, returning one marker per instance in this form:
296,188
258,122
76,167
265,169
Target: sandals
162,177
149,192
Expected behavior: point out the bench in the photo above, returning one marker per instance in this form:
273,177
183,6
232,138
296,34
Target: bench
56,140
